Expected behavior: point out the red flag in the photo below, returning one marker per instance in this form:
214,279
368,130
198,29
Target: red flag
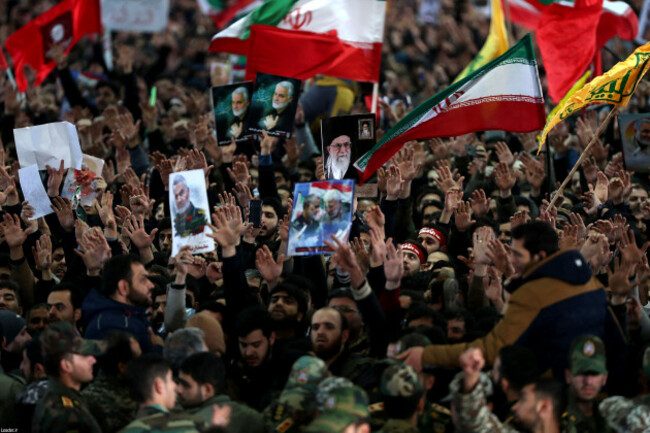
299,54
63,24
3,60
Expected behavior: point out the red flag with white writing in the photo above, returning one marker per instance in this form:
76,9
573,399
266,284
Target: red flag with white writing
64,24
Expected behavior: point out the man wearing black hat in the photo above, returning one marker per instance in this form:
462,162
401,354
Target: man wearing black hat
68,360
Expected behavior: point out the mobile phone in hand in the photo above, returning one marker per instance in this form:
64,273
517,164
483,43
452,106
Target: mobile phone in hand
255,213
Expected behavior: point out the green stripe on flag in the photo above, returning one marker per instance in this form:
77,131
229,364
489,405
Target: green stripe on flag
522,52
270,13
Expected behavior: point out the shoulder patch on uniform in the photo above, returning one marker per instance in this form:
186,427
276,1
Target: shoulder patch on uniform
376,407
303,376
441,409
284,425
589,348
67,402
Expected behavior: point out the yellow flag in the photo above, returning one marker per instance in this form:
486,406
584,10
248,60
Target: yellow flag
578,85
495,44
616,87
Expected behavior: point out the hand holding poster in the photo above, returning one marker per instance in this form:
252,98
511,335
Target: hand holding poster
321,209
274,104
231,106
190,212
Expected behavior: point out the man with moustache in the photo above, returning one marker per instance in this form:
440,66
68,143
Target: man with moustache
122,302
188,220
64,304
340,154
239,105
637,153
282,97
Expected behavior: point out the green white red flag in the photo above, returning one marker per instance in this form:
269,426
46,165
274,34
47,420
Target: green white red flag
503,95
302,38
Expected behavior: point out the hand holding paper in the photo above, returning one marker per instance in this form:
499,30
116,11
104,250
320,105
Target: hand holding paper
34,192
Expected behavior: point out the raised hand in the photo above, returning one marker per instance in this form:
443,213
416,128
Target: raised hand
239,172
270,269
43,253
498,254
447,180
505,154
244,195
463,216
619,279
393,183
393,265
504,179
471,362
63,209
346,261
54,179
95,251
223,233
519,218
378,247
482,236
135,229
361,254
14,234
630,252
480,203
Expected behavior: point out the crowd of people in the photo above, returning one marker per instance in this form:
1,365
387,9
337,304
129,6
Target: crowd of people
463,301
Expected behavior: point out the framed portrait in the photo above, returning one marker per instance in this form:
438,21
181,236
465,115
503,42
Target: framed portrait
344,140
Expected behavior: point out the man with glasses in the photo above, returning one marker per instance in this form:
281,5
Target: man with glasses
340,154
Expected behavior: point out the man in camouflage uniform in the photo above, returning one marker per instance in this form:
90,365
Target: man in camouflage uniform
109,396
68,360
202,384
629,415
296,405
538,409
403,398
154,388
345,409
587,375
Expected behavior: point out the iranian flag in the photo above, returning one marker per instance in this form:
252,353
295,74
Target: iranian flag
302,38
504,95
221,12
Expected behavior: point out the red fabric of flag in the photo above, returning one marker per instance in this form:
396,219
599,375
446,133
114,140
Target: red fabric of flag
567,40
63,24
300,54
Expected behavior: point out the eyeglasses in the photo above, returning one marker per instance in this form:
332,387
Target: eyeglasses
338,146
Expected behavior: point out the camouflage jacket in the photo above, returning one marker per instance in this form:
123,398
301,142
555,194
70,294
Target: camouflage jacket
243,419
157,419
109,400
574,421
473,412
435,419
63,410
627,415
398,426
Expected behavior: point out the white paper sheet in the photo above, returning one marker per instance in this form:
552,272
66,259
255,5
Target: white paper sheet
47,145
34,191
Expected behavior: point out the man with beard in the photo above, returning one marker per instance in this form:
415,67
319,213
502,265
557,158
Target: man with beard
329,337
64,304
282,97
201,384
538,410
188,220
414,256
287,307
68,360
637,153
9,297
306,227
333,221
252,374
122,302
239,105
36,319
340,154
586,375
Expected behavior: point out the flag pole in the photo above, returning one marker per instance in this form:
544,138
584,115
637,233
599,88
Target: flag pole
584,154
375,96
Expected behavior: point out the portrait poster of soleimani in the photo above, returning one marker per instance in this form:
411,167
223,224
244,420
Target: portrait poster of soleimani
321,209
344,140
231,105
190,212
274,104
635,136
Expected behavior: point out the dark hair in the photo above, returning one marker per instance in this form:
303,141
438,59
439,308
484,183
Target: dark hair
116,269
118,350
461,314
538,236
295,293
164,224
34,352
206,367
142,372
254,318
555,390
518,366
275,204
13,286
76,295
115,88
401,407
419,311
344,320
343,292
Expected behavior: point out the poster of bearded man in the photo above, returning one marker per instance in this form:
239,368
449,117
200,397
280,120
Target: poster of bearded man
189,210
344,139
635,135
274,105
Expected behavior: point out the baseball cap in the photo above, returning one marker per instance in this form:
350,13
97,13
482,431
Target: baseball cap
400,380
302,385
587,355
10,325
343,406
62,337
327,386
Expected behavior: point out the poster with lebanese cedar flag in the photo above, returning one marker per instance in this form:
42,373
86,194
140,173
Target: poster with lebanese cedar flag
63,24
321,209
